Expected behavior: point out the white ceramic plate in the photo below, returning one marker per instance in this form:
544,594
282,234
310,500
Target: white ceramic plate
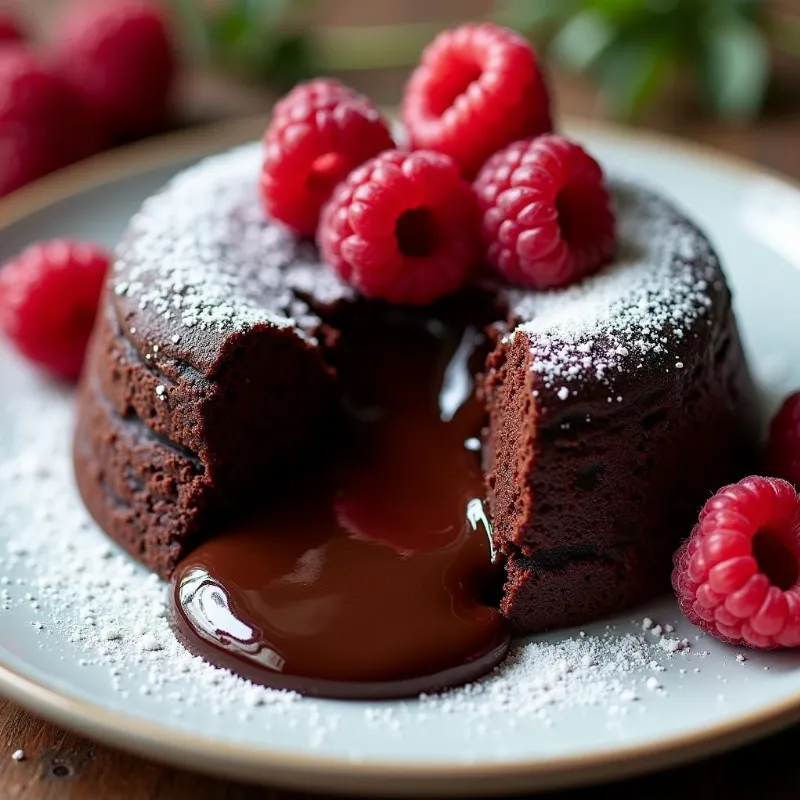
699,701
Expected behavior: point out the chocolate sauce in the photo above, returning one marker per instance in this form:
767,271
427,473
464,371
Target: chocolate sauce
370,577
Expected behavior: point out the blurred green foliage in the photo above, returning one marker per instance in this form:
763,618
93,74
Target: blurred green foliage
632,49
254,39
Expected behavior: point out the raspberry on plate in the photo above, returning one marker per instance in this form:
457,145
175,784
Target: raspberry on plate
43,124
783,447
738,575
477,88
119,56
402,227
547,218
319,133
48,301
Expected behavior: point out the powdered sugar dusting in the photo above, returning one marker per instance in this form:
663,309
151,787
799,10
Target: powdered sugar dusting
541,679
201,253
648,302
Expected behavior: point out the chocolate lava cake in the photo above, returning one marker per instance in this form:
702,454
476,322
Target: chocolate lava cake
614,407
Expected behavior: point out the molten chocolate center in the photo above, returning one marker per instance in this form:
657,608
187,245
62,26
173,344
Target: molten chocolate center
370,576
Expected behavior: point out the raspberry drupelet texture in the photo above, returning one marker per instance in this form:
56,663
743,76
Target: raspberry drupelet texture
48,301
44,125
783,447
547,218
477,88
119,56
319,132
402,227
736,577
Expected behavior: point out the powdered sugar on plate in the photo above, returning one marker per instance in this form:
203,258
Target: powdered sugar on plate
92,606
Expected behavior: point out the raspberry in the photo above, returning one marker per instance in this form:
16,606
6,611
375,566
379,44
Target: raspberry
783,447
43,123
402,227
10,31
547,218
48,301
120,58
737,576
477,88
319,132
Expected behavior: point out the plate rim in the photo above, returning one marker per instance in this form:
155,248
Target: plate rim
335,774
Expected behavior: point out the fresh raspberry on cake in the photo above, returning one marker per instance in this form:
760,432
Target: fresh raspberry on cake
402,227
738,575
319,133
43,124
120,57
783,447
547,217
477,88
48,301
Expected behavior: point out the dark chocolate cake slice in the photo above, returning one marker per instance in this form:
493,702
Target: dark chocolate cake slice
614,407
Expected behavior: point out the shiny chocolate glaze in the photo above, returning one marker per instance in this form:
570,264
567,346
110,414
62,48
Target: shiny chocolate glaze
373,575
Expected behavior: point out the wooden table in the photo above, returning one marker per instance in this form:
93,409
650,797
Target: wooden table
58,764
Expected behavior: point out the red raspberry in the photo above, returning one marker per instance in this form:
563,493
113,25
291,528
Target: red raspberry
319,132
477,88
547,219
43,123
402,227
783,447
120,57
10,31
737,575
48,301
